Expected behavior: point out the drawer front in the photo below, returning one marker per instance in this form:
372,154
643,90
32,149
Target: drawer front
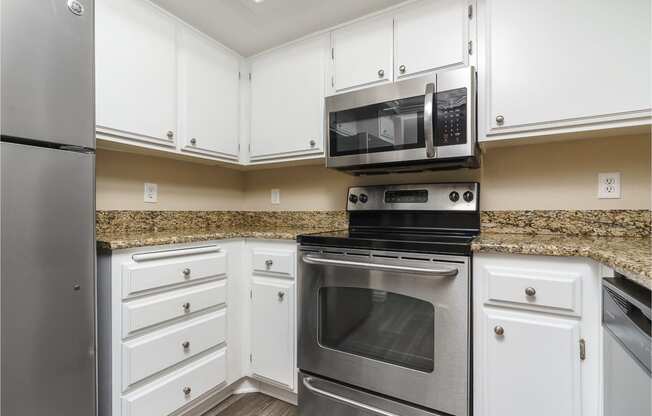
166,395
154,352
274,261
153,310
147,275
534,289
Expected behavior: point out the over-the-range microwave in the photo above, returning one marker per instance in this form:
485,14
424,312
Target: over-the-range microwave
421,123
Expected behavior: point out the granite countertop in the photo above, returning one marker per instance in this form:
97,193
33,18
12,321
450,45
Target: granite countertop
123,240
631,257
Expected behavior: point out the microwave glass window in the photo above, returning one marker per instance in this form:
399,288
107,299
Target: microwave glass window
384,127
380,325
451,117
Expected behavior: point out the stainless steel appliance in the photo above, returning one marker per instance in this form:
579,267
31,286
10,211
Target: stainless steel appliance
626,318
416,124
47,208
384,306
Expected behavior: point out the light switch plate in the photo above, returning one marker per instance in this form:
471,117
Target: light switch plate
151,193
276,196
609,185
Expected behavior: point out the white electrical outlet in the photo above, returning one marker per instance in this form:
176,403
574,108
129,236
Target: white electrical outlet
609,185
151,193
276,196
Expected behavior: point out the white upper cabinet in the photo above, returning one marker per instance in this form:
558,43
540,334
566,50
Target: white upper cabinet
287,100
209,91
363,54
136,70
558,66
431,35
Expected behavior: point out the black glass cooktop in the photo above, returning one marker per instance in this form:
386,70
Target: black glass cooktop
417,242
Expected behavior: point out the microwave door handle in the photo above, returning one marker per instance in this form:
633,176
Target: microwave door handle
350,402
428,128
382,267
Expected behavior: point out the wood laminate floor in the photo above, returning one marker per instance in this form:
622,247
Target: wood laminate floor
254,404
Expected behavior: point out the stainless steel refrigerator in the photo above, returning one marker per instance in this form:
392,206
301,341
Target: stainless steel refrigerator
47,209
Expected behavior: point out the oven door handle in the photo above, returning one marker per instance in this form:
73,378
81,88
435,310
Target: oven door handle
428,128
379,266
306,383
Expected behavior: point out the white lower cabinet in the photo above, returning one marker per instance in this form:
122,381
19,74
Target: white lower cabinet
536,336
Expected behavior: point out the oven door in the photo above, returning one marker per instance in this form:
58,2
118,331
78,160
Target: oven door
386,323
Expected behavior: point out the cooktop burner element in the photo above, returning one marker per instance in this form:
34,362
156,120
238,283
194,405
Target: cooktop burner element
430,218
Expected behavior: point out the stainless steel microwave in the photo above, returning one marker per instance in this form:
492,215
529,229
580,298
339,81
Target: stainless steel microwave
422,123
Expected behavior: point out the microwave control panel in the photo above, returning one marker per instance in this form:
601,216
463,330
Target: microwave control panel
450,127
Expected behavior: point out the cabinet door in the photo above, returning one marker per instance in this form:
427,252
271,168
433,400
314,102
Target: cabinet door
559,64
532,369
431,35
272,338
362,53
287,100
135,71
208,96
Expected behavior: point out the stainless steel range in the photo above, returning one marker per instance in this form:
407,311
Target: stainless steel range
384,307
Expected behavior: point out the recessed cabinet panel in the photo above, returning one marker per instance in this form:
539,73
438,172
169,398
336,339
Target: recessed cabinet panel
558,63
363,53
209,96
136,71
431,35
287,100
531,365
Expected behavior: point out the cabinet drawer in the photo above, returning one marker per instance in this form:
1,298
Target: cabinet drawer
152,274
274,261
153,310
534,289
167,394
152,353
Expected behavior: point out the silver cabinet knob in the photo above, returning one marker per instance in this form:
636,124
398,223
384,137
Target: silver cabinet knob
170,134
500,119
381,73
312,143
530,291
187,391
269,263
186,306
402,69
193,141
186,272
499,330
186,345
281,296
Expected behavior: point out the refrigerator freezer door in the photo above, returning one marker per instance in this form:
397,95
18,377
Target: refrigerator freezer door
47,282
48,71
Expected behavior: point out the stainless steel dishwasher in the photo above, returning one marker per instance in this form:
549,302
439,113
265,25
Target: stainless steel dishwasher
626,319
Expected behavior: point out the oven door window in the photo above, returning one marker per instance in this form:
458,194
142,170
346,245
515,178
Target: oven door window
389,126
380,325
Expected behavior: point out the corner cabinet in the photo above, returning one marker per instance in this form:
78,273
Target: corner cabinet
136,72
536,336
562,66
287,101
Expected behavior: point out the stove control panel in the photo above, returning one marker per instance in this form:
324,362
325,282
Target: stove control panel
462,196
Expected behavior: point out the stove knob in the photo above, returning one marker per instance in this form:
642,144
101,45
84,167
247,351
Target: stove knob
468,196
454,196
353,198
364,198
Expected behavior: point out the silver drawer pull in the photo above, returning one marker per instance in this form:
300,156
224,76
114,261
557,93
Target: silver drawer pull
281,296
380,266
499,330
530,291
186,345
269,263
187,391
186,307
186,272
375,410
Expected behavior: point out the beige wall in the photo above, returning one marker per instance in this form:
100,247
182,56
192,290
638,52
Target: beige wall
560,175
120,179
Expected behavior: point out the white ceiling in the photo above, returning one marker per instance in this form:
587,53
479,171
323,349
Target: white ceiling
248,27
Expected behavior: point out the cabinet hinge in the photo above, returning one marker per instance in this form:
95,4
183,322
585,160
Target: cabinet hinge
470,47
470,14
333,82
251,294
249,148
333,54
239,75
250,76
251,358
238,147
582,349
